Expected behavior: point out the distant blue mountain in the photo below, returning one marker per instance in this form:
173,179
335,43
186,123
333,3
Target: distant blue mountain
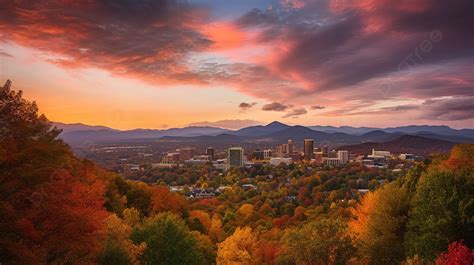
272,133
413,144
442,130
79,127
78,134
410,129
343,129
260,130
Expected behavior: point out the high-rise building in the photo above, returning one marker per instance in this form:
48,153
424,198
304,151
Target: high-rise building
258,155
235,157
282,150
210,153
308,149
343,155
325,150
290,147
267,154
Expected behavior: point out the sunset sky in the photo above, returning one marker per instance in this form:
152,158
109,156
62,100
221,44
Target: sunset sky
159,64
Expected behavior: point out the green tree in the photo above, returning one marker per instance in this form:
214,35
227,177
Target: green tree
319,242
114,254
443,206
118,248
168,241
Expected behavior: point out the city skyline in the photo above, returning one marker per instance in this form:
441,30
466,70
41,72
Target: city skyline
233,64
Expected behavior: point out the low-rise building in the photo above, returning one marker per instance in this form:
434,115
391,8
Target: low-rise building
385,154
275,161
331,161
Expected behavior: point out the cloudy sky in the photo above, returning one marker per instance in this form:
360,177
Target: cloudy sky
157,64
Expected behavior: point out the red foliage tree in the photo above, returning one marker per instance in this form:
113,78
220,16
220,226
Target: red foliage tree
457,254
163,200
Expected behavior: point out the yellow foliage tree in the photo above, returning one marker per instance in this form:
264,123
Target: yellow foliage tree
131,216
245,211
380,225
205,247
239,248
118,237
216,232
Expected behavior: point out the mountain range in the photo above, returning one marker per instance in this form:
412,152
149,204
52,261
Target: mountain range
272,133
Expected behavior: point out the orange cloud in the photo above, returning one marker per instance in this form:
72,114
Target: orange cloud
225,35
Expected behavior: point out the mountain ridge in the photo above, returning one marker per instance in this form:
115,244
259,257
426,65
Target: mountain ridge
404,144
274,132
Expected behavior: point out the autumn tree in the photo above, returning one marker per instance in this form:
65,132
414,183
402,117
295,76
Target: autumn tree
318,242
443,206
240,248
245,212
140,197
380,223
201,217
216,232
457,254
206,249
118,248
131,216
168,241
163,200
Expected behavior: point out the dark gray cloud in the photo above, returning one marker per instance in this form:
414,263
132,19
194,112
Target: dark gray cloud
245,106
460,108
337,48
359,109
295,113
275,106
401,108
316,107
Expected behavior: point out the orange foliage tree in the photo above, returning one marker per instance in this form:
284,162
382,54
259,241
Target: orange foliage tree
163,200
380,223
239,248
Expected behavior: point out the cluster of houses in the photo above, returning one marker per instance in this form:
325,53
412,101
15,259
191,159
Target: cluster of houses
203,193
